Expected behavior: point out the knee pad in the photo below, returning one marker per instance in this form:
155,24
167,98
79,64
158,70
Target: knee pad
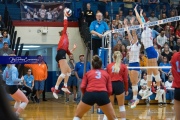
76,118
17,104
149,78
122,108
23,105
135,88
157,78
68,74
62,75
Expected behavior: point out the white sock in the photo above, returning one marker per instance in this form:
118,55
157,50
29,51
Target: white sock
17,113
65,84
76,118
123,118
56,87
134,97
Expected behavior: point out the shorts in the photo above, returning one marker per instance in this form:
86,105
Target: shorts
39,85
151,53
135,64
100,98
117,87
61,54
11,89
177,94
72,81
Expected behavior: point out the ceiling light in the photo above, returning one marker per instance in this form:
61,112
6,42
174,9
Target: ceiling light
30,46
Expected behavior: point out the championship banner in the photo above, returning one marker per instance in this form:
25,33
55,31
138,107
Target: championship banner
46,11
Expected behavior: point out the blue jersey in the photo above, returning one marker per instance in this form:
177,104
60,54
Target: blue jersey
10,75
29,79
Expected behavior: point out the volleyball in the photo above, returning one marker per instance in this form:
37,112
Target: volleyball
68,12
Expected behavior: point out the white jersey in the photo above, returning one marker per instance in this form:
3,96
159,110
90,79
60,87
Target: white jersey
143,83
134,50
42,13
146,38
49,15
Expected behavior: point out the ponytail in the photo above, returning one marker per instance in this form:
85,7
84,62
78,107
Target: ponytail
117,58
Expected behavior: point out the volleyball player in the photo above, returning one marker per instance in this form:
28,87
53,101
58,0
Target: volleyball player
96,87
134,50
63,48
119,78
175,62
152,55
10,76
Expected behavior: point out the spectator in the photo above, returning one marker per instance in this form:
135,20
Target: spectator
42,13
72,79
115,39
123,50
171,42
165,71
164,11
130,16
153,4
143,85
102,6
40,75
121,16
143,59
169,89
35,15
5,51
145,17
79,70
28,15
29,84
97,28
170,28
49,15
118,20
172,14
121,33
154,32
114,25
128,6
107,17
162,98
1,41
177,47
153,18
167,52
89,14
125,41
6,38
2,25
161,39
178,32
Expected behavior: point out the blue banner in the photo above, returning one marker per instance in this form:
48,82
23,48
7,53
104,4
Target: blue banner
22,59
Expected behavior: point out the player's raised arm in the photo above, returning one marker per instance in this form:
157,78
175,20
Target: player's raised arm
138,16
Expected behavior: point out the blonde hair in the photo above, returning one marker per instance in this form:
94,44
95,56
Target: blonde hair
117,56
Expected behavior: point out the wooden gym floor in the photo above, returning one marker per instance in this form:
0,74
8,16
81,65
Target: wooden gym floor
59,110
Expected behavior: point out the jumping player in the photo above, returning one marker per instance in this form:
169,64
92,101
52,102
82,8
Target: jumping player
96,88
134,50
152,55
175,62
10,76
63,48
119,78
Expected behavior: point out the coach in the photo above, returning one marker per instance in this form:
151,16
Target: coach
97,28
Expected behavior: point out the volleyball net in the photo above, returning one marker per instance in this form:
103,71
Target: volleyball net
105,52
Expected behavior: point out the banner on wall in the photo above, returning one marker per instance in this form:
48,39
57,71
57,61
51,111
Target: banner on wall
46,11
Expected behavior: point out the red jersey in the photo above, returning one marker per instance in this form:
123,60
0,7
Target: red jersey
121,76
175,62
96,80
64,41
178,33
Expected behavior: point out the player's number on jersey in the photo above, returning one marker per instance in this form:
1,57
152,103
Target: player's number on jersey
98,75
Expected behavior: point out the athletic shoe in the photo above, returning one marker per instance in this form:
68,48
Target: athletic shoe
158,94
147,94
135,102
105,117
55,92
160,104
130,102
67,100
148,101
65,89
32,98
172,102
